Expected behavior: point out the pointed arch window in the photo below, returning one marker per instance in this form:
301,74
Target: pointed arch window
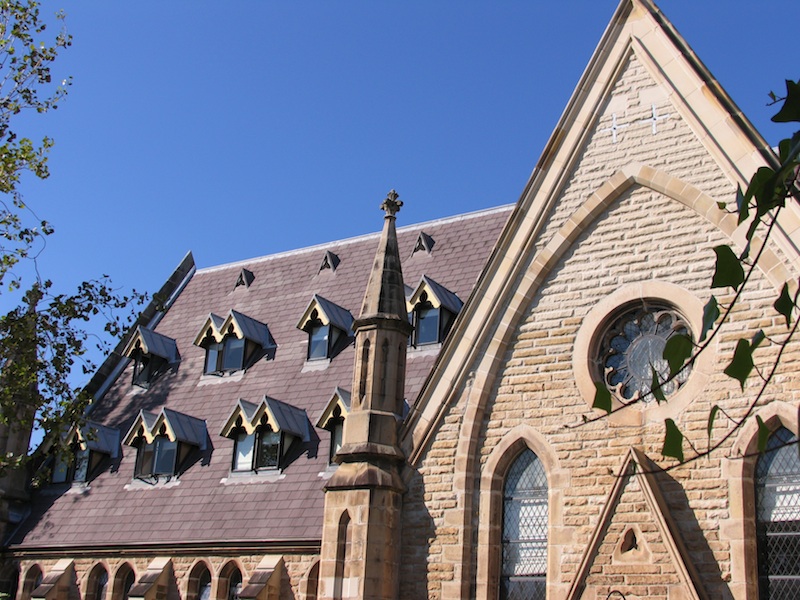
123,582
97,589
525,517
777,484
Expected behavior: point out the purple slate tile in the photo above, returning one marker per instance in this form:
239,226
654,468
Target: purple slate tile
200,507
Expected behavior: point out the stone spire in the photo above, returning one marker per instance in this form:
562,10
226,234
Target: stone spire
363,498
385,295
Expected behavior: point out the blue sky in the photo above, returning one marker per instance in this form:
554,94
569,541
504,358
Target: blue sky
238,129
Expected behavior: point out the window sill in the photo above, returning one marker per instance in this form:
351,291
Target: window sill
247,477
315,364
424,350
163,482
206,379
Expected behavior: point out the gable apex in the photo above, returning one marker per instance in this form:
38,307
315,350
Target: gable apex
661,66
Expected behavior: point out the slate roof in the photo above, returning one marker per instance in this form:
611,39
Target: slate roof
207,503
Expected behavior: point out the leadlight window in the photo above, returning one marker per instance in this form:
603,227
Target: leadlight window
631,351
269,448
258,450
777,483
525,515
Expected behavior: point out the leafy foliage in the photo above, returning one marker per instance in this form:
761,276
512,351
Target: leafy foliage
44,337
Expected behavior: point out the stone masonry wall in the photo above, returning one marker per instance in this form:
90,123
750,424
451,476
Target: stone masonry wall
643,237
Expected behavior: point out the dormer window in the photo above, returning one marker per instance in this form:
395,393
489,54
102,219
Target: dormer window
332,420
225,356
165,442
89,446
328,326
258,450
152,353
158,457
263,433
72,468
321,338
234,343
432,310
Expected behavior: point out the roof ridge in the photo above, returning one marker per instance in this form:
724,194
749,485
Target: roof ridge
355,239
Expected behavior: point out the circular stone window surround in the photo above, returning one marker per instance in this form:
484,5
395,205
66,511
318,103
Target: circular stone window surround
598,319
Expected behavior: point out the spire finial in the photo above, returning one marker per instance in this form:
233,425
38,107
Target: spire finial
391,205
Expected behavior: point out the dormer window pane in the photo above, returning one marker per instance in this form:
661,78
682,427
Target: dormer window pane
144,465
141,370
243,457
318,342
268,449
166,452
427,326
212,357
60,470
233,354
337,432
81,465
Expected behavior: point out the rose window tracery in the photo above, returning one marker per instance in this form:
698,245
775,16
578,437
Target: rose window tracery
631,352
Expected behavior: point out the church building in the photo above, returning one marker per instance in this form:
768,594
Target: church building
409,414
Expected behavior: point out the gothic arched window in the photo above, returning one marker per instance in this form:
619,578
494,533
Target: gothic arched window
778,517
524,565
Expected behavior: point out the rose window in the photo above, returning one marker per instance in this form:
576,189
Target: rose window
631,352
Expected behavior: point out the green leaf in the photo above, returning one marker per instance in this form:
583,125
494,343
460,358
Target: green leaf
742,363
677,351
602,397
711,416
710,316
784,304
790,111
728,270
655,388
721,205
742,206
673,441
763,434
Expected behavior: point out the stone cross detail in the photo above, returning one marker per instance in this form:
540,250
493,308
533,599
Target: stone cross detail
655,119
614,127
391,205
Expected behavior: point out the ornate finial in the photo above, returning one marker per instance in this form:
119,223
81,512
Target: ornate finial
391,205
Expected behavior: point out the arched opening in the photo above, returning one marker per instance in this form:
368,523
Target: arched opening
33,579
229,585
123,582
310,582
343,551
777,493
199,587
97,583
525,519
